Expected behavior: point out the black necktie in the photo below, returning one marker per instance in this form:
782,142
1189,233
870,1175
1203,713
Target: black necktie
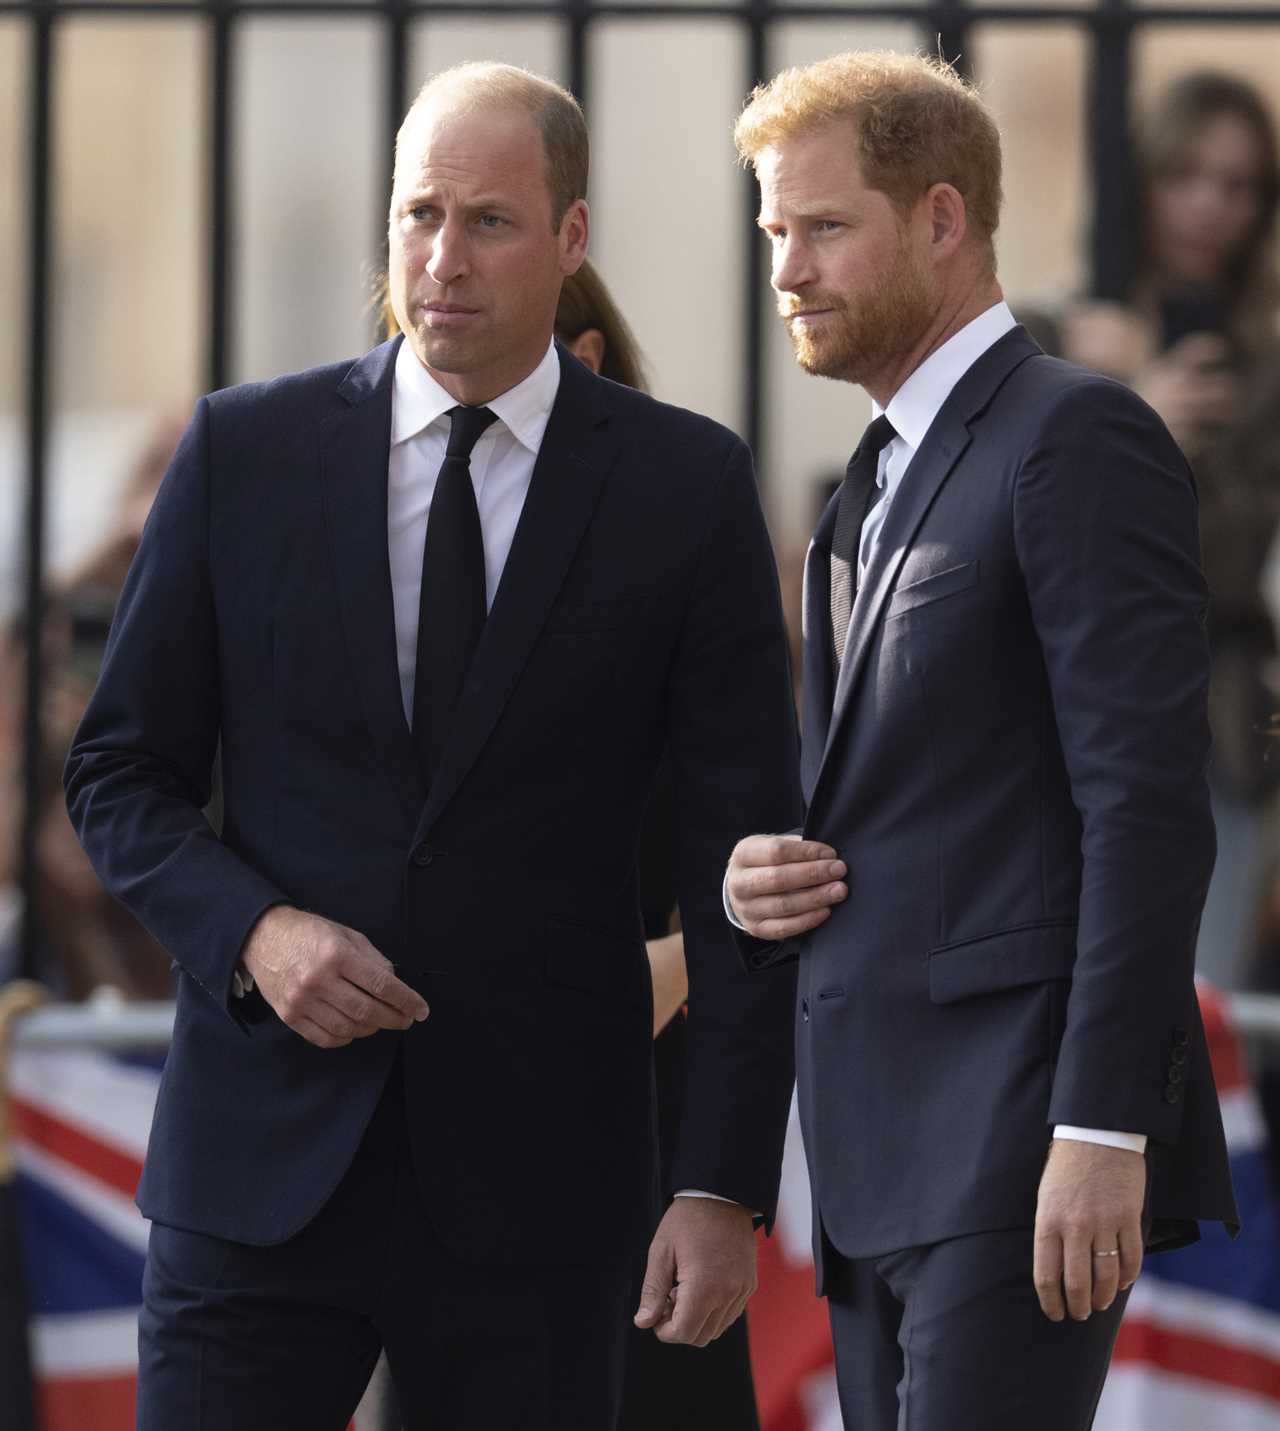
858,494
452,606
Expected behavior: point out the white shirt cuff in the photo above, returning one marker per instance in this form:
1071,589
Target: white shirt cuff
1130,1142
728,911
713,1197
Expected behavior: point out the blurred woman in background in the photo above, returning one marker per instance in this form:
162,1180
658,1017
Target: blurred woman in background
1199,338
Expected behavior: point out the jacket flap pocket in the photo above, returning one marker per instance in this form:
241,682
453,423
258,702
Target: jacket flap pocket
589,957
1029,955
934,588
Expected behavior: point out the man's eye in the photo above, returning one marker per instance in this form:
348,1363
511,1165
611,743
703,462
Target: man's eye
490,221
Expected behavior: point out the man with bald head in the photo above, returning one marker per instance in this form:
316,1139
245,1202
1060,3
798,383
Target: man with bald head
443,608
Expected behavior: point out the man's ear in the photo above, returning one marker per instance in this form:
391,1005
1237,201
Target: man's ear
575,230
588,348
948,219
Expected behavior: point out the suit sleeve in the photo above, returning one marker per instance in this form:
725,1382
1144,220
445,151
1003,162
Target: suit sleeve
732,736
139,772
1106,529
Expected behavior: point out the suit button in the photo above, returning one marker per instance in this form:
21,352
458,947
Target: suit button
1176,1073
1172,1093
1181,1038
1178,1055
423,855
804,1010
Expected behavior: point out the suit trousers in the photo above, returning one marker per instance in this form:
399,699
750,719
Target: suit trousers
950,1337
235,1337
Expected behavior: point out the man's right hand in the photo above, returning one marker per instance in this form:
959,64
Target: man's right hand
327,982
780,885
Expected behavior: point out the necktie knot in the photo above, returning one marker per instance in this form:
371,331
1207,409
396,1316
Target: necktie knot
858,494
466,425
879,434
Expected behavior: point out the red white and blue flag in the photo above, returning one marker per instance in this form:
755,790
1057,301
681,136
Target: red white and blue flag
81,1122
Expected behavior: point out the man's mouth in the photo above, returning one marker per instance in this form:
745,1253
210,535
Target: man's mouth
448,315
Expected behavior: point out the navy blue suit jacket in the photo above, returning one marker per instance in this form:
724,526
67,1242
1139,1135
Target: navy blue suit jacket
1012,763
638,610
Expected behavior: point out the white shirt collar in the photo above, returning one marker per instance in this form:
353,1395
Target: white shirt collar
914,406
417,400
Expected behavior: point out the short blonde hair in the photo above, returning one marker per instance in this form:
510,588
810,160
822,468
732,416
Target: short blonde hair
917,123
558,115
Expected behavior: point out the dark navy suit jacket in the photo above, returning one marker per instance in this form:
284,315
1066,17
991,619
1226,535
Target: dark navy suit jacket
1012,763
638,610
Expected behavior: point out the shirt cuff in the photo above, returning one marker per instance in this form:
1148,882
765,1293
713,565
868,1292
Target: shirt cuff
713,1197
1130,1142
731,917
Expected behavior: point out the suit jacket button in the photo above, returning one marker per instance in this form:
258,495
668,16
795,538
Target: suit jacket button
1172,1093
1176,1073
1178,1055
423,855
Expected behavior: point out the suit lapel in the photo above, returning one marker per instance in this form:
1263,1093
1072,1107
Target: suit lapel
932,464
355,447
577,451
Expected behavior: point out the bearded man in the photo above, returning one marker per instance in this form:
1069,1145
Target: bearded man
994,898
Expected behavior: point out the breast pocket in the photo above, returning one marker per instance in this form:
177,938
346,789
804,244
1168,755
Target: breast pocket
929,589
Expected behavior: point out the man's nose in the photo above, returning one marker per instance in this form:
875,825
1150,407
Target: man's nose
792,267
448,260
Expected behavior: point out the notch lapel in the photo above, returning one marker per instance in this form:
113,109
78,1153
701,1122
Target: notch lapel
577,451
933,463
355,445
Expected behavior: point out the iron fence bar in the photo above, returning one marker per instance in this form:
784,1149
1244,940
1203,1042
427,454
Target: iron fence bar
928,19
1112,241
39,326
755,268
221,272
395,89
577,32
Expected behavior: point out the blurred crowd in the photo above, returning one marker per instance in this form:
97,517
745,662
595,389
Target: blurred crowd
1197,335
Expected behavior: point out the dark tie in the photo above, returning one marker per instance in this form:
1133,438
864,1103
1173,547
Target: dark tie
451,606
858,494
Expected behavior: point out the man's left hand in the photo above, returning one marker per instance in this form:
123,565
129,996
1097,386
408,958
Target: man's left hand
701,1271
1088,1227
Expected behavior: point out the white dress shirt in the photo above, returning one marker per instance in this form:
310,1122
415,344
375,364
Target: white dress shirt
501,470
911,412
